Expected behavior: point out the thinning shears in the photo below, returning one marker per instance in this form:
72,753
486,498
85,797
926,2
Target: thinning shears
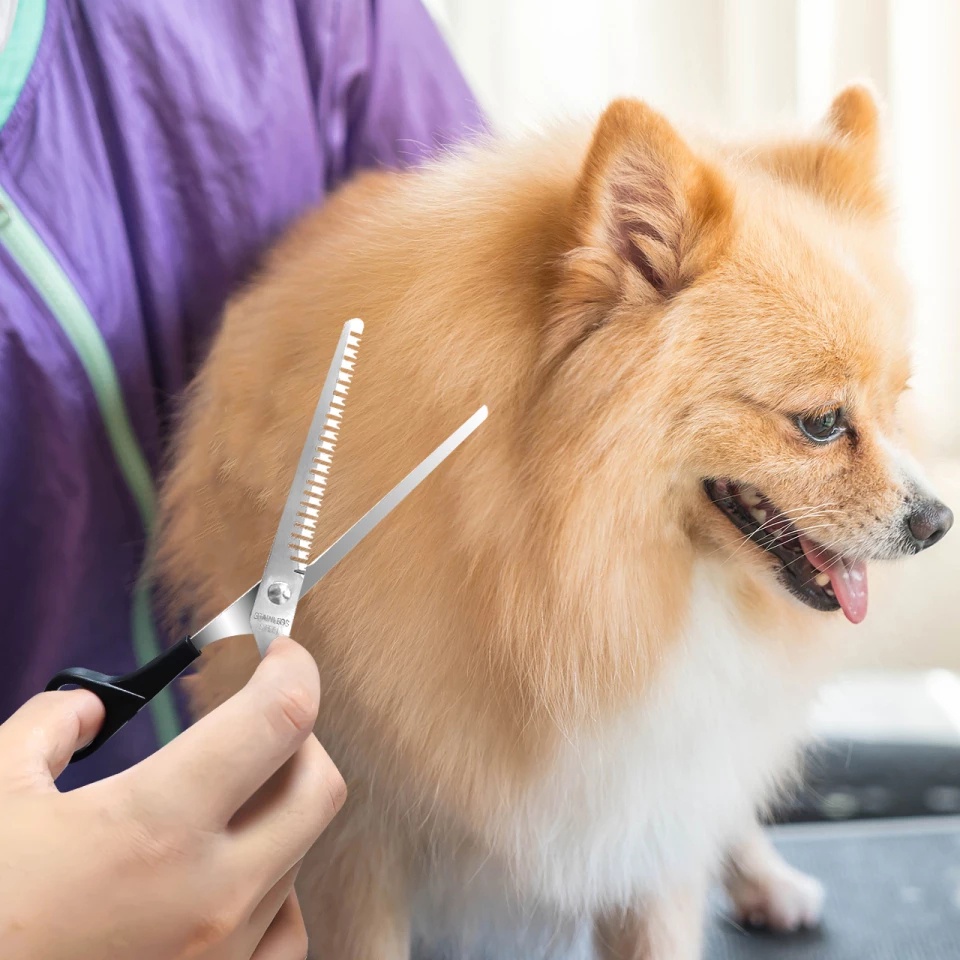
267,609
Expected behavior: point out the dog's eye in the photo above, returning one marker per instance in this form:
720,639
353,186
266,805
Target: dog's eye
822,427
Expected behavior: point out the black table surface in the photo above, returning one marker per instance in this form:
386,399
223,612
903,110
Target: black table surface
893,893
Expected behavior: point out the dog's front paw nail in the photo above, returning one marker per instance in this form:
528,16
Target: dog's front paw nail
783,899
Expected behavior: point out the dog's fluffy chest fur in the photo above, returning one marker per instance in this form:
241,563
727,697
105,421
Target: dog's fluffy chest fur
647,800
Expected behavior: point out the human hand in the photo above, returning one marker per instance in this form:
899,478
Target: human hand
191,853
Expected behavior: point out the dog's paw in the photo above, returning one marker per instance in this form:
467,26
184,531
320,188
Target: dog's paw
780,898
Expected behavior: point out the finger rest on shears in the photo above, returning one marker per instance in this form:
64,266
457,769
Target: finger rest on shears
119,705
124,695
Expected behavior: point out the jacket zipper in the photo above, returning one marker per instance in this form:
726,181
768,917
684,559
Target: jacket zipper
48,278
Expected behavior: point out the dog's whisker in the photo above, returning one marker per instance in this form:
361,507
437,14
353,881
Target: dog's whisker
749,537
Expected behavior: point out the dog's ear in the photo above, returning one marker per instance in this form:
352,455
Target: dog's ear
841,164
648,217
646,197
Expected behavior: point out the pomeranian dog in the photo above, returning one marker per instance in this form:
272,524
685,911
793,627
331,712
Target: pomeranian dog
565,677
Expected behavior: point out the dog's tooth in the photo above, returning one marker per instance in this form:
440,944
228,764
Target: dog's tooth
822,580
750,496
759,515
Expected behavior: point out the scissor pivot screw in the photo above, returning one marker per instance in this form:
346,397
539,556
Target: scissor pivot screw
278,592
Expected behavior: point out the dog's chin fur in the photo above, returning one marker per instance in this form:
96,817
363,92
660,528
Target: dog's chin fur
556,682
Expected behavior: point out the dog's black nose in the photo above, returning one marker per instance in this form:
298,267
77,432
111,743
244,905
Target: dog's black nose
930,522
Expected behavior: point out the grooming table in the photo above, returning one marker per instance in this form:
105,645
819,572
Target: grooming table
877,823
893,893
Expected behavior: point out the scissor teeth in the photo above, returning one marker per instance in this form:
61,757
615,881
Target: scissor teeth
317,474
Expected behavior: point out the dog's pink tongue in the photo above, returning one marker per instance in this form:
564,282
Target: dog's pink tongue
847,577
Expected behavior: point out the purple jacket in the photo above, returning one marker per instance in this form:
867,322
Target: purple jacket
149,152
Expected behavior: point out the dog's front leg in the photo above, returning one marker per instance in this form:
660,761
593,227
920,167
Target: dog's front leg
765,890
353,895
665,928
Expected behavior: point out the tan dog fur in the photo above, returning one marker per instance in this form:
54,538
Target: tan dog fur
639,311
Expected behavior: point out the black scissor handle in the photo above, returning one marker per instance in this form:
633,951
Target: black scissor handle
123,696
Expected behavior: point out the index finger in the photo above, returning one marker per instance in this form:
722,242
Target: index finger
215,766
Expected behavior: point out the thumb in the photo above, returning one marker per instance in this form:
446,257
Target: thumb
36,743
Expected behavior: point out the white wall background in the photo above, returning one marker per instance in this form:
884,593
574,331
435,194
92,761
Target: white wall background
744,63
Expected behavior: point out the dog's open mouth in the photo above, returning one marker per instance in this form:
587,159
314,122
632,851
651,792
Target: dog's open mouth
819,577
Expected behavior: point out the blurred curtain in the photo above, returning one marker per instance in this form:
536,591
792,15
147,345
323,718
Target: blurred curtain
743,63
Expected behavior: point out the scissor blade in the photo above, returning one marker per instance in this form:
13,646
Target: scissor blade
276,604
347,541
234,621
